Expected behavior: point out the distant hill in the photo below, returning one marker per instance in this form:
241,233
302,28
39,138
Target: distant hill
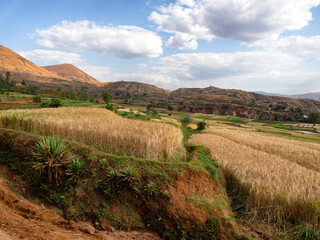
22,69
135,91
206,100
214,100
314,96
73,73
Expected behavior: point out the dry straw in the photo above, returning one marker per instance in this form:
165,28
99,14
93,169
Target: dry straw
281,176
101,128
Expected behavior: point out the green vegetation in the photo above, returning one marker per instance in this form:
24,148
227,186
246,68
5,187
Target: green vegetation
53,103
201,125
5,83
76,170
314,117
185,121
37,99
107,97
52,157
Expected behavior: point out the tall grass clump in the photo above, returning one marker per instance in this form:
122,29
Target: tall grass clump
102,129
281,177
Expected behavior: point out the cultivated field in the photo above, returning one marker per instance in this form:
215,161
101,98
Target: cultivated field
101,128
281,176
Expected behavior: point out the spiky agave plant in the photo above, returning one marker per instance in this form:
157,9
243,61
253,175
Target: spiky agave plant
53,156
75,170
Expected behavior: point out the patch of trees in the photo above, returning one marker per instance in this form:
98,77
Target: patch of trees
314,117
5,83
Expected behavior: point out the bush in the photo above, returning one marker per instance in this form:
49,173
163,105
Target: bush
53,103
201,125
76,170
110,107
185,121
53,156
107,97
314,118
37,99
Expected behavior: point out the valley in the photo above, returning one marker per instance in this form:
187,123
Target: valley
149,163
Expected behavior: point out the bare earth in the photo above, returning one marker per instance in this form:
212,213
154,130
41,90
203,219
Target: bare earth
21,219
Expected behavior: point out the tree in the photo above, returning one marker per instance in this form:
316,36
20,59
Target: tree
107,97
201,125
314,117
185,121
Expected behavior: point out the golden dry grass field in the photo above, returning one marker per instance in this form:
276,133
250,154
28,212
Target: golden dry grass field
281,176
101,128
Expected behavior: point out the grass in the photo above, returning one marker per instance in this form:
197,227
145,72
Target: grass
281,176
101,128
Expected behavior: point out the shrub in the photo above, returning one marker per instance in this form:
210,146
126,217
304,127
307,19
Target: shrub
107,97
151,189
110,107
185,121
53,157
53,103
76,170
201,125
37,99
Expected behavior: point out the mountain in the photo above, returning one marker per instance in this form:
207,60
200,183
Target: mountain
313,96
22,69
14,63
139,92
72,73
214,100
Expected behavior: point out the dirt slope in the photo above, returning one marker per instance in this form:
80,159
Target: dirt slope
14,63
21,219
73,73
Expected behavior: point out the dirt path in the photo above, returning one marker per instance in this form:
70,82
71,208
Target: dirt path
21,219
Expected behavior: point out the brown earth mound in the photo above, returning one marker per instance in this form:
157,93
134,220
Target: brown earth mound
21,219
73,73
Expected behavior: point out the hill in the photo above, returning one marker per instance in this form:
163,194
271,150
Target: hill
22,69
239,103
313,96
72,73
138,92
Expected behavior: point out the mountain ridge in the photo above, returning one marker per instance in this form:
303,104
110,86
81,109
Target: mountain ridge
72,73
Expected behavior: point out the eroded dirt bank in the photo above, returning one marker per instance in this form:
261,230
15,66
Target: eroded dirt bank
21,219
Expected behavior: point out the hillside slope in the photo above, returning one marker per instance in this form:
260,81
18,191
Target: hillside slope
135,90
73,73
22,69
238,103
313,96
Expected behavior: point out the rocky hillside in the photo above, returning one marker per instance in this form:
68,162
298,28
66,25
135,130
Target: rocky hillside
72,73
22,69
238,103
313,96
135,91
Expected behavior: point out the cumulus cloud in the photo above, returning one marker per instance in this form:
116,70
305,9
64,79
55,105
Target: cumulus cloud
121,41
281,82
246,20
102,73
45,57
211,66
297,45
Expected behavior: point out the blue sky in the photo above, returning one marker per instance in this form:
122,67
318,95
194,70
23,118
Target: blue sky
253,45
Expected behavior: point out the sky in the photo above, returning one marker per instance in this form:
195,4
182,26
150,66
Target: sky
252,45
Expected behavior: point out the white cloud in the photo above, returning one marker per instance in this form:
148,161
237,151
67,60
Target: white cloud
211,66
284,82
122,41
245,20
297,45
46,57
101,73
